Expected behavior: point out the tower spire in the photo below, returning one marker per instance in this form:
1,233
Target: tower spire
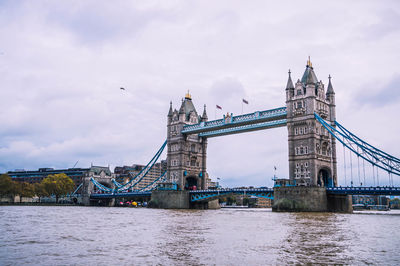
170,109
289,84
330,87
204,117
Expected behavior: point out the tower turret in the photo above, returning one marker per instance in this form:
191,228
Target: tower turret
204,117
289,87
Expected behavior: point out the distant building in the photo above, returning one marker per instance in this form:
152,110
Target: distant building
370,200
124,173
76,174
212,184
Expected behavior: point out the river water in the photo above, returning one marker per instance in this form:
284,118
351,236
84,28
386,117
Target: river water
50,235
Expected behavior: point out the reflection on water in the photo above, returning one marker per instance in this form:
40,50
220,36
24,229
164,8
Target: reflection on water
317,238
109,236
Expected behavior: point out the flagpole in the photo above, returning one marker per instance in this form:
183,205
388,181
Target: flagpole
242,106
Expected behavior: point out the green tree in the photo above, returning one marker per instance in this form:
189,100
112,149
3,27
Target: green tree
6,185
58,185
25,189
395,203
39,190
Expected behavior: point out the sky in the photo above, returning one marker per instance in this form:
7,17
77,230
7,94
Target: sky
62,64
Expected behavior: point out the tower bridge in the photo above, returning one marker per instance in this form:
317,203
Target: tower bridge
310,119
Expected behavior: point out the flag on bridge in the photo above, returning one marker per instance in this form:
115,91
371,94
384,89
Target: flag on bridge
245,101
218,107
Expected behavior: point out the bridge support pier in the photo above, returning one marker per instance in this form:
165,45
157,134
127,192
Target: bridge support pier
309,199
170,199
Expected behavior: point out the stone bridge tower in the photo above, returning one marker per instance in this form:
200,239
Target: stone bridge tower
312,150
186,157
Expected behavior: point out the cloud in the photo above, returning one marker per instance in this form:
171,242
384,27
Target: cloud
380,96
62,64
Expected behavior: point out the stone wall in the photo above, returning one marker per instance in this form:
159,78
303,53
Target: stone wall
310,199
301,199
165,199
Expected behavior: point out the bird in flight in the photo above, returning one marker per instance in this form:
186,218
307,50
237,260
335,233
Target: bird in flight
122,88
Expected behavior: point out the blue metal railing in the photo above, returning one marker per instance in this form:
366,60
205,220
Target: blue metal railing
235,121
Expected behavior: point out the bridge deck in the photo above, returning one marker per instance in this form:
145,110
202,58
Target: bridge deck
201,195
120,195
240,123
384,191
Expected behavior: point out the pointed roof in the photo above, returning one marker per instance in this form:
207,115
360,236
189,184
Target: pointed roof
204,117
187,107
309,76
330,88
289,84
170,109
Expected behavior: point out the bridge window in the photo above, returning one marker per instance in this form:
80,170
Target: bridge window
301,150
298,92
301,131
193,148
299,104
306,150
296,131
305,130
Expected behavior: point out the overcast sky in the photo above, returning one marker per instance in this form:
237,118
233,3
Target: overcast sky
62,64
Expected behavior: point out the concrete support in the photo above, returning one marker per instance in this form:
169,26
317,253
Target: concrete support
297,199
340,203
170,199
309,199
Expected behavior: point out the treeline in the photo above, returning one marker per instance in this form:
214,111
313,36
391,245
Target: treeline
57,185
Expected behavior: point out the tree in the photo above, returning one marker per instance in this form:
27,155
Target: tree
25,189
58,185
6,185
39,190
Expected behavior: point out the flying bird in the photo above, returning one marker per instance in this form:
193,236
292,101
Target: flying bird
122,88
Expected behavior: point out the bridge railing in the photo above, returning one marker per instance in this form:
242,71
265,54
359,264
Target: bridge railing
364,190
256,117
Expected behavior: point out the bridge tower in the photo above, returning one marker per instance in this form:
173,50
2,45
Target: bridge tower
312,150
187,154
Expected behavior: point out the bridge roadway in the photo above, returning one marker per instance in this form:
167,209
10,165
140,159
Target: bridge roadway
239,124
204,195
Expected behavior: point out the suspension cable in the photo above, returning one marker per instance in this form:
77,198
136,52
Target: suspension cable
373,173
351,169
364,171
344,165
358,168
377,176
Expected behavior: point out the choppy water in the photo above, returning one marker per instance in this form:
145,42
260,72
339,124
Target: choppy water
127,236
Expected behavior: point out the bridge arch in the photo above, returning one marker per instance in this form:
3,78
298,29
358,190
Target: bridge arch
191,182
325,177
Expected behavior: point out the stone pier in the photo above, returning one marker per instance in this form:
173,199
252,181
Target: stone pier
170,199
309,199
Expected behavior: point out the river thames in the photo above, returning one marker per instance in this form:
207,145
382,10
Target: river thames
47,235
